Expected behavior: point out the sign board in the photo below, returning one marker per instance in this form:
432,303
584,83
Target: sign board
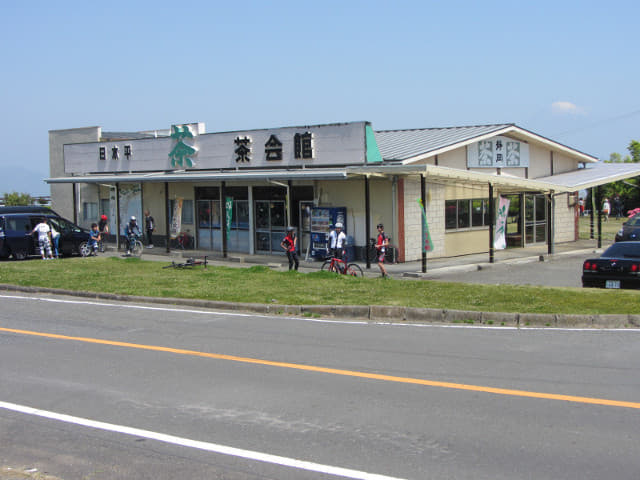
498,152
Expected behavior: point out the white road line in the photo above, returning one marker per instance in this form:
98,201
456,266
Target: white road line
206,446
317,320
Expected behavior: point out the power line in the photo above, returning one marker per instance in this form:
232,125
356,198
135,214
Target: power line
598,123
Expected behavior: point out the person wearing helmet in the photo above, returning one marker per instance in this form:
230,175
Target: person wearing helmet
338,242
289,243
103,228
381,247
132,232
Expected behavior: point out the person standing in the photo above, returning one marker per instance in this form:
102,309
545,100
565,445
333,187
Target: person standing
606,209
149,227
55,239
44,238
289,244
617,206
382,243
103,228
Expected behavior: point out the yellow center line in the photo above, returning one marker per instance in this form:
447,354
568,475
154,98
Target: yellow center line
335,371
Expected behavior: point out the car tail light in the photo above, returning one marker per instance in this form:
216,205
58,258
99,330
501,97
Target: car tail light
594,267
635,268
586,266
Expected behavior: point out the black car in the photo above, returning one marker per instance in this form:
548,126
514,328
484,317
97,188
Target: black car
617,267
16,224
630,230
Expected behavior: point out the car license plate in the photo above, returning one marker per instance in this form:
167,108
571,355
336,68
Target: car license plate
612,284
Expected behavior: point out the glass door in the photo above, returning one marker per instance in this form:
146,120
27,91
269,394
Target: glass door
535,218
209,237
270,220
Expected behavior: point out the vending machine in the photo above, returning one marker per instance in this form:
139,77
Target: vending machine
322,221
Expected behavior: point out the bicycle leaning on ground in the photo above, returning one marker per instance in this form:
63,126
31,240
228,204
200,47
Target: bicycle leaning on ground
338,265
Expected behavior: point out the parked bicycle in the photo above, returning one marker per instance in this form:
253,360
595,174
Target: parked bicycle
184,241
338,265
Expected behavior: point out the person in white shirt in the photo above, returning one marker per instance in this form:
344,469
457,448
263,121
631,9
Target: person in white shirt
44,238
341,241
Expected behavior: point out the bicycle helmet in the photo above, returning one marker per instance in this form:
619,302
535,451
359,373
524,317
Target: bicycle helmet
338,225
133,219
380,226
103,217
291,229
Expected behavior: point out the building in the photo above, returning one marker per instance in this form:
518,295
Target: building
238,191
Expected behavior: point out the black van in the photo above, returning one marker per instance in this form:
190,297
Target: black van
16,224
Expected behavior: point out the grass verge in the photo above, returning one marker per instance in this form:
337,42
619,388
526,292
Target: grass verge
259,284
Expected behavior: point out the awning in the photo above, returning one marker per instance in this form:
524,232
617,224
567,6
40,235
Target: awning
455,176
199,176
593,176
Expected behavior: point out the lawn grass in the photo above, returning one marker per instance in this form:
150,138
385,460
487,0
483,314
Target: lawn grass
259,284
609,228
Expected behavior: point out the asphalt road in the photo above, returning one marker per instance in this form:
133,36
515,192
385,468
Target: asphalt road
376,401
556,271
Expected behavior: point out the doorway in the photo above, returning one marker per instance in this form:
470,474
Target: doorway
270,225
535,212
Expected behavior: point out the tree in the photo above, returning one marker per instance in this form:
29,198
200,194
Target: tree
634,150
17,199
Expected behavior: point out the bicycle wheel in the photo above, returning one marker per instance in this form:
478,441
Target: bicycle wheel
136,251
354,270
326,266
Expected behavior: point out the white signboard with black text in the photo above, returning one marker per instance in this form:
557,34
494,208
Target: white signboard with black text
498,152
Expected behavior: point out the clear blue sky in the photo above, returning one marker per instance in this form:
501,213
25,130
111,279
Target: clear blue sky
567,70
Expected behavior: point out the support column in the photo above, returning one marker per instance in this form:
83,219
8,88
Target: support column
367,220
598,205
550,229
492,222
167,217
423,196
592,213
223,217
117,216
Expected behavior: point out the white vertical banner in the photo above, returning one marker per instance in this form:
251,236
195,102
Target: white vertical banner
176,220
500,239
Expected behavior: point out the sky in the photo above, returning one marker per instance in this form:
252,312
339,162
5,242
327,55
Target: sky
566,70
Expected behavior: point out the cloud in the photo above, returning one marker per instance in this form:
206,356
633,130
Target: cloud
563,107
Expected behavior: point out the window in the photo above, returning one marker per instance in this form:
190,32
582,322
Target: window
187,211
463,214
89,211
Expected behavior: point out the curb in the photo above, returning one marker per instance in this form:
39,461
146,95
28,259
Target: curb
372,313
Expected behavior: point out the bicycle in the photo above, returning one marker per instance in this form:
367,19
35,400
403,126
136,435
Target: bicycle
183,240
135,247
338,265
190,262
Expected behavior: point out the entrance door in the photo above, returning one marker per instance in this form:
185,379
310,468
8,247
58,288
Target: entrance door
209,237
270,219
535,218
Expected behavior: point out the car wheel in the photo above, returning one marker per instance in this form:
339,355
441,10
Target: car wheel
20,254
84,249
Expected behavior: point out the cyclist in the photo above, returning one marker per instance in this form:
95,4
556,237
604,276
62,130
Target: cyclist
289,244
132,232
338,244
381,248
103,228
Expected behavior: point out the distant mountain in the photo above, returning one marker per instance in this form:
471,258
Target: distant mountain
22,180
